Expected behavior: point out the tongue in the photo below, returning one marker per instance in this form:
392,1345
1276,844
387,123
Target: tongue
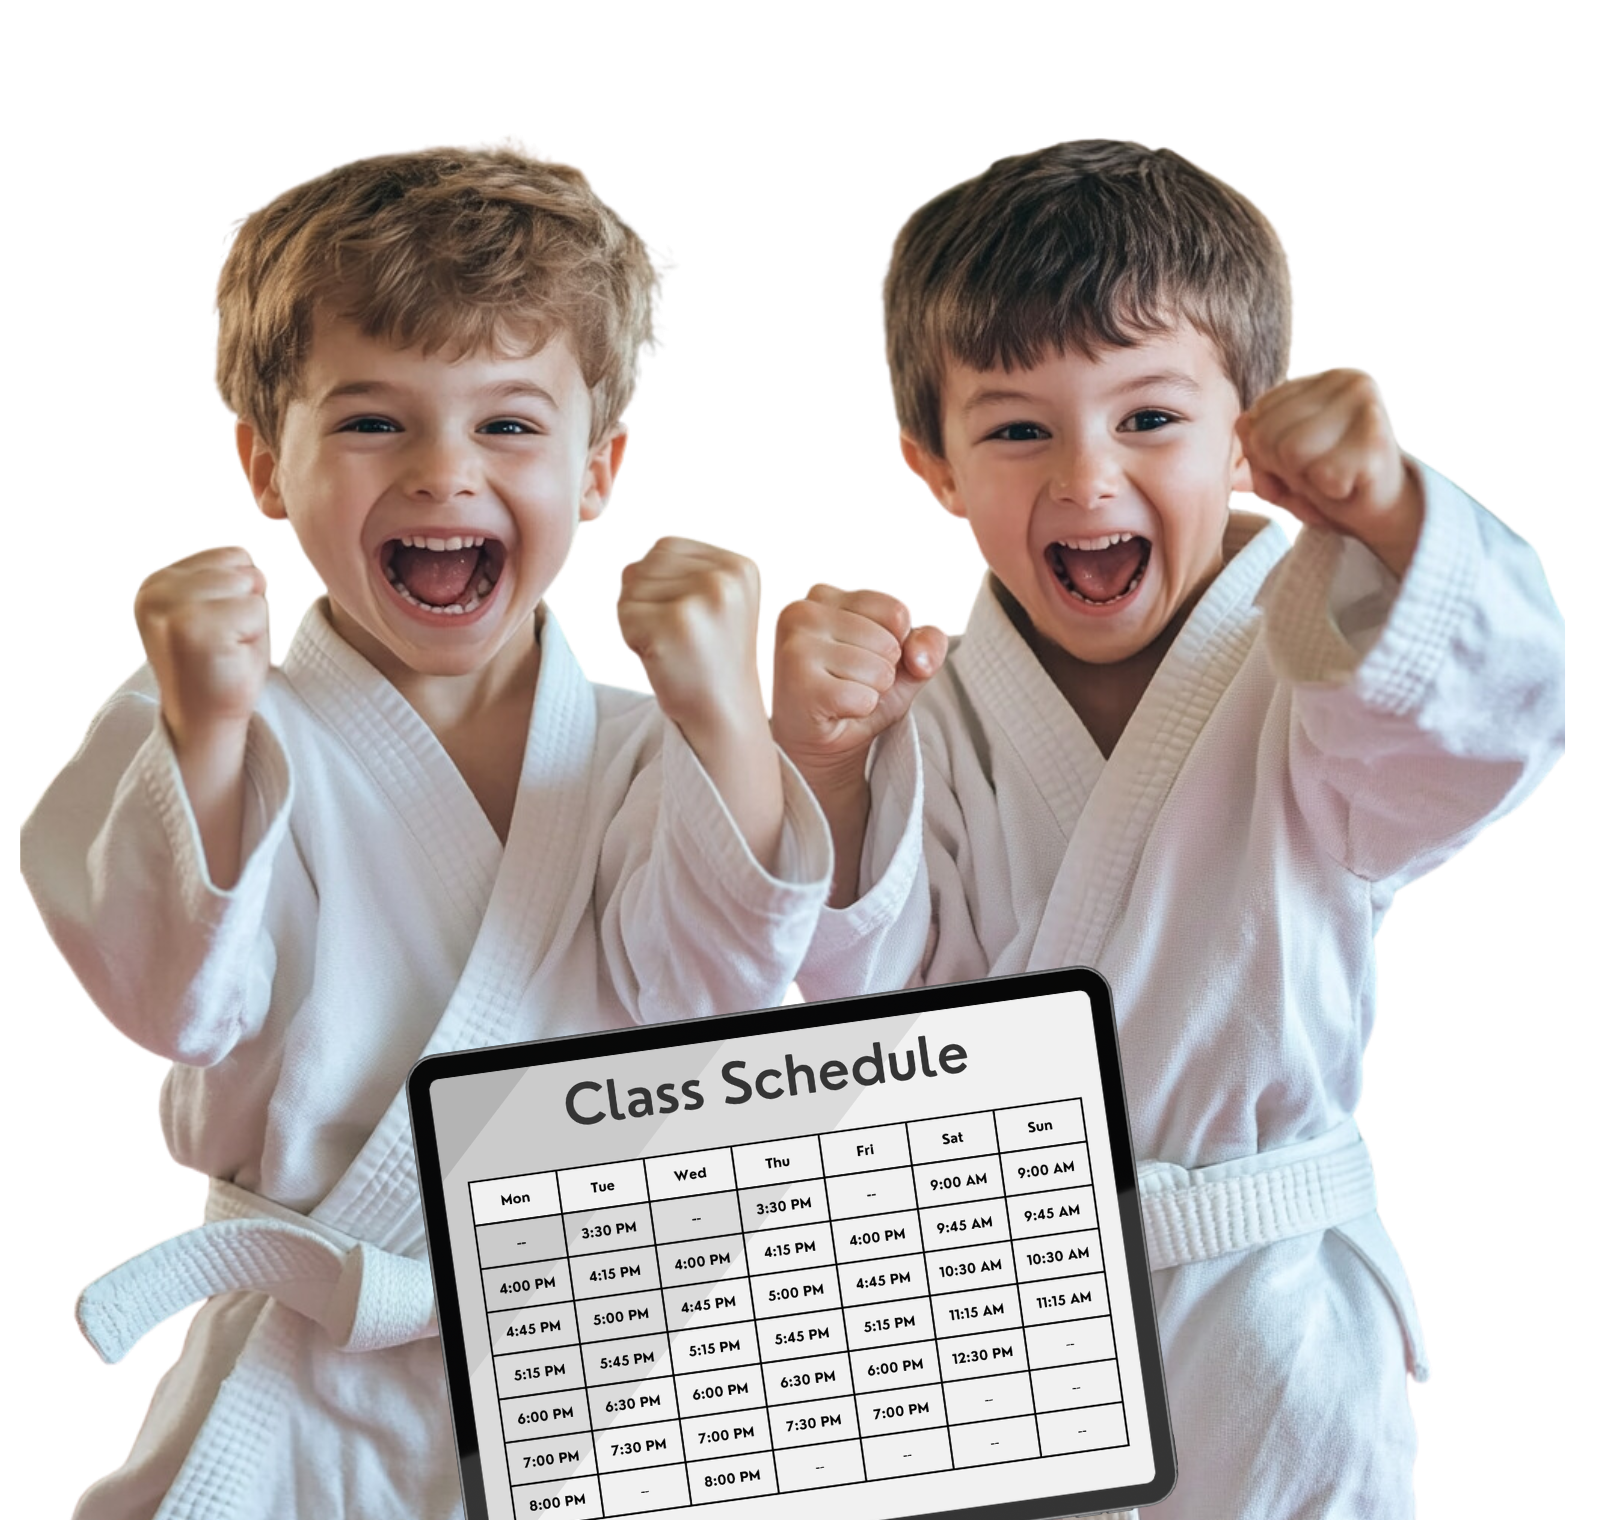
439,577
1101,574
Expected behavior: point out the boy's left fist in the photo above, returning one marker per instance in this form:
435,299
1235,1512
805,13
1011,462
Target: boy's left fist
690,611
1323,448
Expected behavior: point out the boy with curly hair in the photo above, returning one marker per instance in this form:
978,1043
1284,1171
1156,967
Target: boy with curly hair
425,831
1175,748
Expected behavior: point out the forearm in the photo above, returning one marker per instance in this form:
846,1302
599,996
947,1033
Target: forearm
741,760
213,768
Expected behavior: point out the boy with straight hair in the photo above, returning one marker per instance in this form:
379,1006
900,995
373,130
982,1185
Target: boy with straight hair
1175,748
425,831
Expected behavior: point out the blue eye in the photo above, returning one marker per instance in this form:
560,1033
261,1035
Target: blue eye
369,425
1148,420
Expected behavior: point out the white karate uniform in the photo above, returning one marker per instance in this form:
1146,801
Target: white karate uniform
377,919
1226,869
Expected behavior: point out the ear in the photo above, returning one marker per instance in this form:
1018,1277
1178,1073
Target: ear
258,464
600,472
935,471
1241,473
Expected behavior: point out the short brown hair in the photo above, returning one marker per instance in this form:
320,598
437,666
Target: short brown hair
448,249
1084,245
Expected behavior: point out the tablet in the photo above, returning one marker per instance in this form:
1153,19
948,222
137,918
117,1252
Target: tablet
882,1254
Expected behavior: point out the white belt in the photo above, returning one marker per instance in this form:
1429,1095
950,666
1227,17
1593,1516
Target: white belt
362,1296
1197,1214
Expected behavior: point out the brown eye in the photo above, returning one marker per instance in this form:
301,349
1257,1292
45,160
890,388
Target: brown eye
1020,432
1148,420
369,425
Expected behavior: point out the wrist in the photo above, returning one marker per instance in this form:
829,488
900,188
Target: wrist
1393,534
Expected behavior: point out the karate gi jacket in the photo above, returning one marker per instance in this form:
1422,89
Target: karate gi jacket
1318,735
377,919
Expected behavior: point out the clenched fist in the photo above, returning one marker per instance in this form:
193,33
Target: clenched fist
206,628
847,667
1323,448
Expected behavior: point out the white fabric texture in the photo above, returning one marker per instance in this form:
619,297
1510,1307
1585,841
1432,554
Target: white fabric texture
1318,735
377,919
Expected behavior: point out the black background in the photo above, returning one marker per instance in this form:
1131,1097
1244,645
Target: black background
766,426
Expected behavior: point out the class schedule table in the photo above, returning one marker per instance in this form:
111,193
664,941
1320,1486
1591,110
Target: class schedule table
800,1313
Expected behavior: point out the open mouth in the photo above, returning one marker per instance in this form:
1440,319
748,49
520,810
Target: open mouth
1100,570
447,576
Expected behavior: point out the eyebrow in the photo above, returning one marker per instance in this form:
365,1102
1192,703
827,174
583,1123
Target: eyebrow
501,391
1168,379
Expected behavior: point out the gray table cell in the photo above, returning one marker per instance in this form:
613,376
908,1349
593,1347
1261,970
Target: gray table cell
701,1261
862,1193
696,1218
535,1282
525,1329
601,1274
519,1240
604,1319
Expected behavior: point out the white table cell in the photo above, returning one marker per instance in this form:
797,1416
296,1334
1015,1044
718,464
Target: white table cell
964,1224
722,1346
553,1457
871,1193
632,1403
1082,1429
812,1377
732,1478
548,1414
639,1446
530,1329
969,1267
627,1361
726,1434
875,1282
600,1276
865,1150
694,1172
766,1208
1079,1340
702,1261
918,1408
890,1324
776,1161
536,1282
818,1420
602,1187
539,1371
720,1303
696,1218
1058,1255
1058,1298
997,1351
906,1454
896,1367
1040,1124
793,1292
1076,1387
648,1488
994,1441
1053,1213
608,1229
958,1181
499,1198
1054,1166
947,1139
989,1398
801,1335
879,1235
981,1309
786,1250
625,1314
819,1466
523,1240
574,1497
719,1391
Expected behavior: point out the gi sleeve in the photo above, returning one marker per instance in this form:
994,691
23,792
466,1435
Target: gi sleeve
691,922
1421,710
115,862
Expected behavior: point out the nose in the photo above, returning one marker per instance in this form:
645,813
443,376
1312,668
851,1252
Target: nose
440,467
1088,471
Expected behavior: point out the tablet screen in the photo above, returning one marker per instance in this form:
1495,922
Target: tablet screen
883,1254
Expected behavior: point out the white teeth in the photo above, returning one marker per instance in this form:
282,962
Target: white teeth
1090,545
465,541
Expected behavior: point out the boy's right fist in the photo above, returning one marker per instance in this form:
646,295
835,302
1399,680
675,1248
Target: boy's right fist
206,628
847,667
